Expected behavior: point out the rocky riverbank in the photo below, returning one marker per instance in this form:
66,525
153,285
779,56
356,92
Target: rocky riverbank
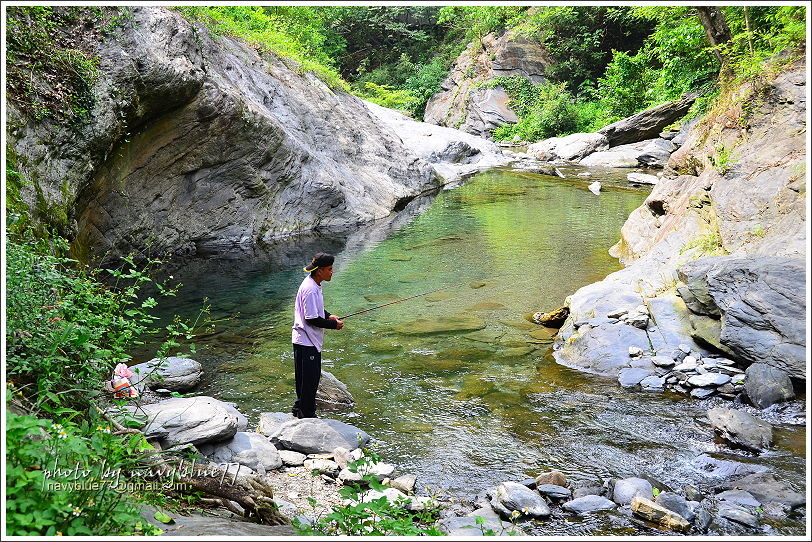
309,459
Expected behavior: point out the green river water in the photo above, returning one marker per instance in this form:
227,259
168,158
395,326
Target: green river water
465,410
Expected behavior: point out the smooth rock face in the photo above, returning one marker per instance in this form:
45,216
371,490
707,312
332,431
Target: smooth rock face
249,449
738,496
452,153
192,420
621,156
174,374
766,385
630,377
738,514
292,459
708,380
647,124
510,496
741,429
332,394
763,318
317,435
202,145
587,504
625,490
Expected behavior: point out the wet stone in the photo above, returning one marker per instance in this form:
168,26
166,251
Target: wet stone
702,393
553,491
630,376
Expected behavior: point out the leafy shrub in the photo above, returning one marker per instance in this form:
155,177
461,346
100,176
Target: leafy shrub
69,478
386,96
65,330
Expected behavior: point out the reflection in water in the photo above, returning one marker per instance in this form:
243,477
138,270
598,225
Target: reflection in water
453,387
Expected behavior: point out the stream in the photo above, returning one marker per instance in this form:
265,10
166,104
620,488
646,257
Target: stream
465,410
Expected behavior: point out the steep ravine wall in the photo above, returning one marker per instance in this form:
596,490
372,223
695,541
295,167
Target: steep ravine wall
716,253
199,144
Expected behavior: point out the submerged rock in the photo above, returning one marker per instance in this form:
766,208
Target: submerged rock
441,324
741,429
332,394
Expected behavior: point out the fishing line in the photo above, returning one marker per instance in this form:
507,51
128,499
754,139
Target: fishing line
398,301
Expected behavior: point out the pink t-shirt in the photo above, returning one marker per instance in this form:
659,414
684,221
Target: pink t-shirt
309,304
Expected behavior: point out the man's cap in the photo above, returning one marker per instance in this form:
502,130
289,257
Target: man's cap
322,259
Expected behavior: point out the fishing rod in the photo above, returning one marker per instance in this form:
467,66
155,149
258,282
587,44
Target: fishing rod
398,301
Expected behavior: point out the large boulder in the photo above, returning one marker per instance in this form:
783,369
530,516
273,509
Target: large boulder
318,435
332,394
647,124
571,148
172,373
189,420
763,318
513,496
251,450
627,489
741,429
767,385
465,104
200,144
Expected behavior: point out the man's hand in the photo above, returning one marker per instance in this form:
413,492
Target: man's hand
340,324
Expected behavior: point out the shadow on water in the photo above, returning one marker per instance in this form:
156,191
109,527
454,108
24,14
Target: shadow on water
458,387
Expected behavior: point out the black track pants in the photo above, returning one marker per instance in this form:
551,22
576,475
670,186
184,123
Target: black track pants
307,367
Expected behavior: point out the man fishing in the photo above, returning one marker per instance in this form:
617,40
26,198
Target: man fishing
309,322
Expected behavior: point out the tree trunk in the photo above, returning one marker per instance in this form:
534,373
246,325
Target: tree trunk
713,20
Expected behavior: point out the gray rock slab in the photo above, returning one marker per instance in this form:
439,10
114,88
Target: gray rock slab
514,496
708,380
766,489
270,422
588,504
292,459
647,124
738,496
173,374
632,376
741,429
318,435
189,420
625,490
553,491
602,350
253,450
737,514
763,318
570,148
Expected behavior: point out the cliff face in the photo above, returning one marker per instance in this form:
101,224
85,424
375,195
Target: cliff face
716,252
464,104
200,145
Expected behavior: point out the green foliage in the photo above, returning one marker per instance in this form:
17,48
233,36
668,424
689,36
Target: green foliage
285,33
364,517
69,478
581,39
723,160
51,67
708,244
65,330
545,110
475,22
386,96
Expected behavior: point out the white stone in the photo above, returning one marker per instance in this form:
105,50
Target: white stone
635,351
595,187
